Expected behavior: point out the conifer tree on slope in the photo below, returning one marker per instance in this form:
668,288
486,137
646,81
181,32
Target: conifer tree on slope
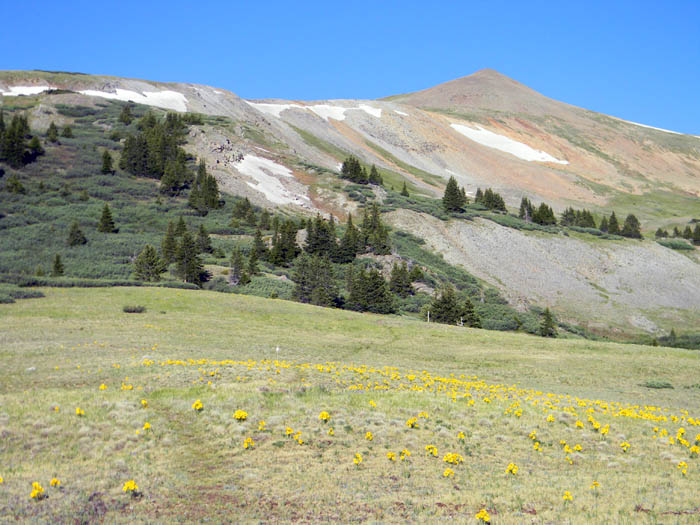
168,247
453,199
106,224
148,266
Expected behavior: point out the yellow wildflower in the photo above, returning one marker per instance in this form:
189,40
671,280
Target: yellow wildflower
405,453
412,423
324,416
37,491
449,473
567,496
331,432
483,516
579,424
261,426
197,406
372,403
147,426
55,482
144,403
357,459
595,485
103,387
391,456
369,436
512,469
130,486
460,435
248,443
79,411
240,415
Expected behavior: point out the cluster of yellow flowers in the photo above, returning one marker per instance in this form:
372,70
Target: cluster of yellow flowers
55,482
357,459
248,443
240,415
431,449
324,416
144,403
197,406
453,458
683,467
37,492
130,487
594,485
261,426
412,423
483,515
391,456
567,496
448,473
369,436
512,469
625,446
79,412
405,453
103,387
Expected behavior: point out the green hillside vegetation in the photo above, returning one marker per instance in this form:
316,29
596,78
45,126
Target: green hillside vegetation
269,410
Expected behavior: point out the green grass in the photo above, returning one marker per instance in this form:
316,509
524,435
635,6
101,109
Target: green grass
58,350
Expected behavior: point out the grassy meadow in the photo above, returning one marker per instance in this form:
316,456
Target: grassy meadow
411,400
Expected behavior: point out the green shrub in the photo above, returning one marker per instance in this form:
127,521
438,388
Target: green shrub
675,244
655,383
133,309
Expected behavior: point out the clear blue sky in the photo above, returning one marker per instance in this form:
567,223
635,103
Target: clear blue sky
637,60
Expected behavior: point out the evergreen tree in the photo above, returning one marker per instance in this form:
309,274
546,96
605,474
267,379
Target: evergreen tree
547,327
613,225
58,268
416,274
237,274
660,234
75,235
52,133
353,171
479,196
348,244
444,307
107,163
253,268
526,209
148,266
241,208
67,132
14,149
125,117
203,240
251,218
631,228
404,190
676,232
604,225
696,235
400,283
168,247
568,217
180,227
374,176
313,281
544,215
374,234
469,316
687,233
106,224
264,223
453,199
320,237
13,185
377,295
189,266
259,246
171,181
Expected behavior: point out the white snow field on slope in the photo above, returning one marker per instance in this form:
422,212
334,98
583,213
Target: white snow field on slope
263,171
649,127
162,99
325,111
506,144
401,113
24,90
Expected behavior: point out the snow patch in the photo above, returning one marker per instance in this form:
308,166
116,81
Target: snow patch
375,112
162,99
401,113
339,167
325,111
271,109
648,127
24,90
506,144
265,173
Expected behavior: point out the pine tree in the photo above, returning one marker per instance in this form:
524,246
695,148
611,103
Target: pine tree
400,283
259,246
171,181
547,327
676,232
526,209
168,247
374,176
52,133
604,225
203,240
237,274
241,208
107,163
416,274
444,308
631,228
469,316
687,233
453,199
348,244
253,268
264,223
58,268
180,227
75,235
696,235
189,266
106,224
148,266
479,196
67,132
613,225
125,116
377,295
404,190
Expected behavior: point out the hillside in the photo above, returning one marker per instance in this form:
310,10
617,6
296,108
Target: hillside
290,397
486,130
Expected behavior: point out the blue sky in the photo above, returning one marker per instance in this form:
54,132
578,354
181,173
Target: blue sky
635,60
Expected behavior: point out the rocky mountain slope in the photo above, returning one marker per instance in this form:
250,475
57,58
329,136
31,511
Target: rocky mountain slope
486,130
